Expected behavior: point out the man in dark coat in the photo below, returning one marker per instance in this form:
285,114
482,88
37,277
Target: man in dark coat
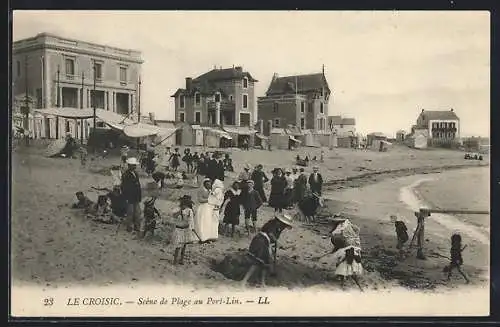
260,178
220,169
211,171
316,181
300,186
131,190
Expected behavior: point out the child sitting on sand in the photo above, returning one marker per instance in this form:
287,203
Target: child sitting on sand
456,260
83,202
184,233
101,211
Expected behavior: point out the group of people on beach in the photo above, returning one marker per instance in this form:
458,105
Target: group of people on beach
217,210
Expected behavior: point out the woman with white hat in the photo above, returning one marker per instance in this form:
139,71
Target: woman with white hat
215,200
204,212
261,248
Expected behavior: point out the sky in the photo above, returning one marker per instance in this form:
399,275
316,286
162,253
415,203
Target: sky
383,67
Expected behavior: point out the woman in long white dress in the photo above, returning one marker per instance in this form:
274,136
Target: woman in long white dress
204,212
215,199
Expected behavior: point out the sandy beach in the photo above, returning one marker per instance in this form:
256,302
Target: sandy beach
52,246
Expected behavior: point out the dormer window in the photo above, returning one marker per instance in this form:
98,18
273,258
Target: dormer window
182,101
217,97
245,82
197,99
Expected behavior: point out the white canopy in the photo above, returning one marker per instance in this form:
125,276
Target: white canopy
86,113
143,130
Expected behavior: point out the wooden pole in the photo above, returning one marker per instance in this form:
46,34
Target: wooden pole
57,100
81,107
94,100
26,103
138,112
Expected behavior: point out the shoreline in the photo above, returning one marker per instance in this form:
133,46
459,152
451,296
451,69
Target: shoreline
378,176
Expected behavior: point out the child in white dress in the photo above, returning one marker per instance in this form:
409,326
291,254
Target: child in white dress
184,233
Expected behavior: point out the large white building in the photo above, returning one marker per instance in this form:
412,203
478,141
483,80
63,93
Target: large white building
59,72
440,125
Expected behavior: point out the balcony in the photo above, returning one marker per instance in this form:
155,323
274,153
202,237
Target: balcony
76,80
444,129
224,105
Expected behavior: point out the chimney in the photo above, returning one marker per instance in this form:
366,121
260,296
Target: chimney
239,68
451,109
189,83
323,69
422,110
275,76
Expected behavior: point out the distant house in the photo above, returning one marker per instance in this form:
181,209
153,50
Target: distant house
376,136
400,135
441,125
218,97
300,100
342,126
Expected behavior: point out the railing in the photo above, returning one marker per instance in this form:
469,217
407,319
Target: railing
54,39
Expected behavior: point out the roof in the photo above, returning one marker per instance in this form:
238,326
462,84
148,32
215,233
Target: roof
224,74
206,88
335,120
338,120
305,83
348,121
377,134
439,115
205,83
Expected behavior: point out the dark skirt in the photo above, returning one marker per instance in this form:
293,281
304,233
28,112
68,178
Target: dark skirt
232,213
175,162
259,250
277,200
288,197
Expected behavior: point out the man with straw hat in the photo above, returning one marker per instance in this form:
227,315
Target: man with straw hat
131,189
261,249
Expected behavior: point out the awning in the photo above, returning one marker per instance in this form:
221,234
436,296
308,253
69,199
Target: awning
143,130
86,113
238,130
71,113
280,131
260,136
219,132
294,139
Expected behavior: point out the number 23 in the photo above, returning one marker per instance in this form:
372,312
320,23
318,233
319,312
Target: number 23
48,301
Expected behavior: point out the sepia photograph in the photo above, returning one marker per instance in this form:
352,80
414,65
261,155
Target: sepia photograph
250,163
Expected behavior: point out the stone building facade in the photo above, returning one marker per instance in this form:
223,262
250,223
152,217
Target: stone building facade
59,72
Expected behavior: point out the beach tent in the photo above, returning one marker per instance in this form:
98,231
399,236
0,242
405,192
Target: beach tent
55,147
